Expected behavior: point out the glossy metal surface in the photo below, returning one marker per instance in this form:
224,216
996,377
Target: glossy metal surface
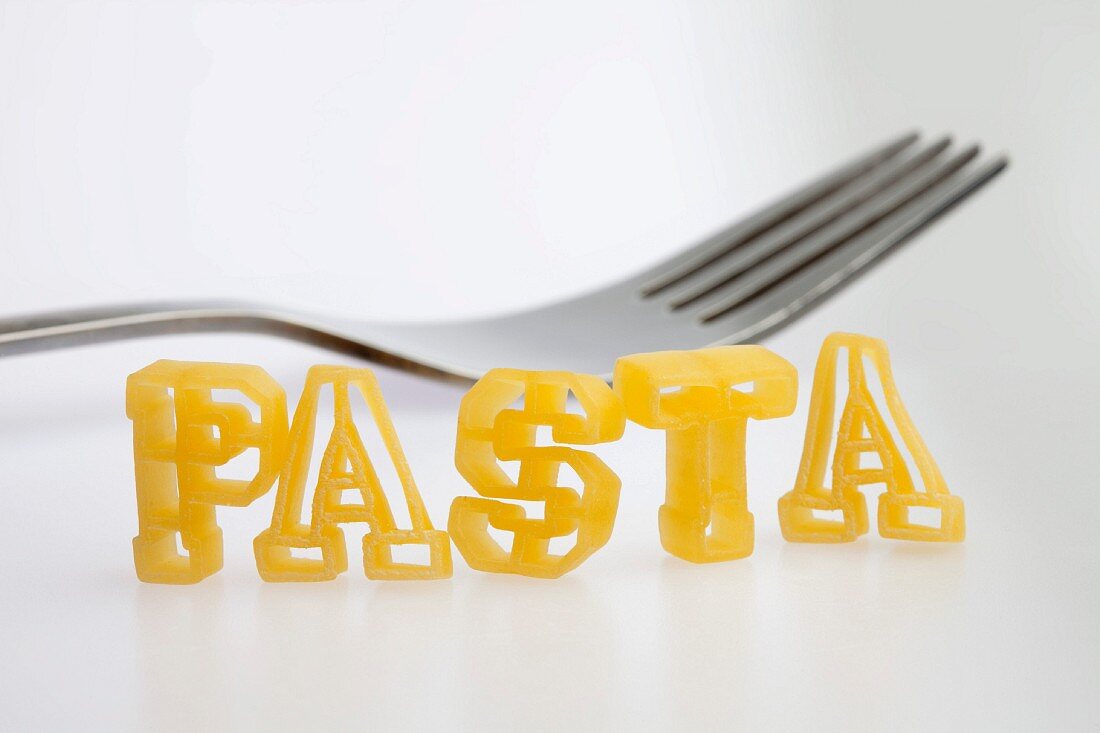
737,285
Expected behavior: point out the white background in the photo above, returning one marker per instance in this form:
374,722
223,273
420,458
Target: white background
420,161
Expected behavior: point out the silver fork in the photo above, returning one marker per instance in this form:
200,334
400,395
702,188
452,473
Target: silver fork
735,286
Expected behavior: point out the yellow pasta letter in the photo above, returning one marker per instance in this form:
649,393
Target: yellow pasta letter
181,435
704,399
489,431
862,430
345,466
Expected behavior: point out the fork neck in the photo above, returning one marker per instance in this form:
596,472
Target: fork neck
35,332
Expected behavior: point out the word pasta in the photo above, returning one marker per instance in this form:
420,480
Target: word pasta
185,430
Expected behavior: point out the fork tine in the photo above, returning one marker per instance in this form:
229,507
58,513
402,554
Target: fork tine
756,279
779,299
712,282
687,263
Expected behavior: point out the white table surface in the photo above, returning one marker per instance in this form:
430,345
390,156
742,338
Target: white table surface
416,160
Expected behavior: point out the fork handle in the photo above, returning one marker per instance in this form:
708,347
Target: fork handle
60,329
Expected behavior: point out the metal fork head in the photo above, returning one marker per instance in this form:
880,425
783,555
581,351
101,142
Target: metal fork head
834,227
742,282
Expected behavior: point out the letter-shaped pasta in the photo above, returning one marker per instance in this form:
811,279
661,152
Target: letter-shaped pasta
696,397
862,430
489,431
344,466
181,434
